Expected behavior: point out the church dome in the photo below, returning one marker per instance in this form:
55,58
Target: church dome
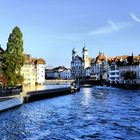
85,49
74,51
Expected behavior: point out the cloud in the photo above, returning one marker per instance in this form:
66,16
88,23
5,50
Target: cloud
114,27
110,28
134,17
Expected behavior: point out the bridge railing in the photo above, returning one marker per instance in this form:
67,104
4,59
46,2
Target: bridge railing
58,81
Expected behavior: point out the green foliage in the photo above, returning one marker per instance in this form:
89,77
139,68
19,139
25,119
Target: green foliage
13,58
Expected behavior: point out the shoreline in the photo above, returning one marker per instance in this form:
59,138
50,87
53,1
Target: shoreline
9,102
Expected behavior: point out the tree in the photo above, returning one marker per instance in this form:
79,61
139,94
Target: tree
13,58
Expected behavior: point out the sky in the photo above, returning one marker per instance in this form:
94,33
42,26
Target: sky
52,28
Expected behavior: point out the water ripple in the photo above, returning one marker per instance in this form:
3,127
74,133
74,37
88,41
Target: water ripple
93,113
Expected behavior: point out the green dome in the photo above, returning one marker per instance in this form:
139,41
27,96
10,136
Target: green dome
85,49
74,51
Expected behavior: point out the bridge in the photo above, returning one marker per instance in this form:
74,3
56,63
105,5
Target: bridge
58,81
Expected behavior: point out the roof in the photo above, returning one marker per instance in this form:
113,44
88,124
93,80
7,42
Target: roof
126,60
117,58
40,61
74,51
30,60
60,68
100,58
85,49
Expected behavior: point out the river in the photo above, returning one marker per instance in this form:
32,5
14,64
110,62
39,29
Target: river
94,113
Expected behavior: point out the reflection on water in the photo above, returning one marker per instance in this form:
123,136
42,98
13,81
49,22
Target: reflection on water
87,96
92,114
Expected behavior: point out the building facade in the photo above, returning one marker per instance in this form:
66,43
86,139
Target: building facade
114,73
33,70
40,70
125,70
100,67
59,72
130,74
29,73
66,74
79,64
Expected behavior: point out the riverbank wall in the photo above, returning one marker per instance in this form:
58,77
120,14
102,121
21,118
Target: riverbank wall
102,83
44,94
6,104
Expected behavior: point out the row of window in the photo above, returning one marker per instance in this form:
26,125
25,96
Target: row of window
114,73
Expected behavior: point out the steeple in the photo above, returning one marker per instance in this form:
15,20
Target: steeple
85,53
74,53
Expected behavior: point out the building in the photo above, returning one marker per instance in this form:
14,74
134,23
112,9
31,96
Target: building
33,70
99,67
66,74
51,74
130,74
88,72
56,73
79,64
40,70
125,70
29,73
114,74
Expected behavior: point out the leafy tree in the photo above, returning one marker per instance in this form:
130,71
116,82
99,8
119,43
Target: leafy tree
13,58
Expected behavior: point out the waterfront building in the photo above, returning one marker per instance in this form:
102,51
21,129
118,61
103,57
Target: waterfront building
114,74
79,64
125,70
88,72
40,70
51,74
29,73
66,74
99,67
55,73
33,70
130,70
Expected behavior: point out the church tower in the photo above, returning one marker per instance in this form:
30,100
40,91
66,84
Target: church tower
85,53
74,53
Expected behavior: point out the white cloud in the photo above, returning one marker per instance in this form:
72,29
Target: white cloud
113,25
134,17
110,28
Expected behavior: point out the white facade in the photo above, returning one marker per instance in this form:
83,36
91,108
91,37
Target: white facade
86,62
79,64
88,72
40,73
50,73
33,70
99,68
130,68
114,74
76,67
66,74
58,73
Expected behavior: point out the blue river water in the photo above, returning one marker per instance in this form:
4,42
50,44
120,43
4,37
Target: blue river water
94,113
